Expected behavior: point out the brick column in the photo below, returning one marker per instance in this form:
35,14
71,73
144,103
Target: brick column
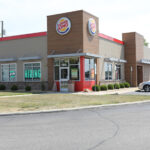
133,48
50,73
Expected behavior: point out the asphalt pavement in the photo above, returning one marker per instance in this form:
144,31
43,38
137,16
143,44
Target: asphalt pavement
125,127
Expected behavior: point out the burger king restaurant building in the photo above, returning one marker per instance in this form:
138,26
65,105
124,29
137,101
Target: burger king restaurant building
72,52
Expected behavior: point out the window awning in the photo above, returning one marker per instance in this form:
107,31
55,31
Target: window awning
115,60
74,55
30,58
8,59
145,61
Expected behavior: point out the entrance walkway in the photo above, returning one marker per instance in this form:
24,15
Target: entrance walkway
115,91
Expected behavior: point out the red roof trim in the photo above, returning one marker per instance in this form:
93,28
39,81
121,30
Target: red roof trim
23,36
45,33
110,38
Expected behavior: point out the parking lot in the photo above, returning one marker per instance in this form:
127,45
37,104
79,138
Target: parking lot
123,127
137,92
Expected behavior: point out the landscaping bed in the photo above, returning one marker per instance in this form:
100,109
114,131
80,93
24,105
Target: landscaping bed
105,87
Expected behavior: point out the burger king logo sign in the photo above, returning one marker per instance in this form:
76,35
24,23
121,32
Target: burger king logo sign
63,26
92,26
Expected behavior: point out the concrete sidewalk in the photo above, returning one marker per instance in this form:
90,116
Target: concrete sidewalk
115,91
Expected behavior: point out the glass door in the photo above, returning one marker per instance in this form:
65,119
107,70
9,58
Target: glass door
64,77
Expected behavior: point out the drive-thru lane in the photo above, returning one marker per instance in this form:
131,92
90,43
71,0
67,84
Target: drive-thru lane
117,128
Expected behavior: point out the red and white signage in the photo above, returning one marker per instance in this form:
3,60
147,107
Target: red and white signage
92,26
63,26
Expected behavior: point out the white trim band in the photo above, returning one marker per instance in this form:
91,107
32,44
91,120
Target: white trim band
30,58
8,59
145,61
73,55
115,60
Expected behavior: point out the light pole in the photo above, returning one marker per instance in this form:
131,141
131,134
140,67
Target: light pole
2,28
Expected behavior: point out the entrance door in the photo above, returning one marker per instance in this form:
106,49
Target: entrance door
139,74
64,77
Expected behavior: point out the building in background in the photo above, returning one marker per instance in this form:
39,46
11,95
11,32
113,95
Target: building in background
72,51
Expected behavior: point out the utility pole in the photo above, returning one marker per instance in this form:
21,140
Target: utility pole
2,28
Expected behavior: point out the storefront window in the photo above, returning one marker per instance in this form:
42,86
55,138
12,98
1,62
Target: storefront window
71,63
108,71
74,61
89,69
32,72
56,70
92,71
74,72
8,72
56,62
64,62
74,68
118,72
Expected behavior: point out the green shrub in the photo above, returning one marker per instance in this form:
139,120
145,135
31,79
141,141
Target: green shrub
2,87
14,87
121,85
116,86
127,85
28,88
96,88
103,87
110,86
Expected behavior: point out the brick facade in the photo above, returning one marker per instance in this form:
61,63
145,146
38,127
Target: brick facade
77,40
134,44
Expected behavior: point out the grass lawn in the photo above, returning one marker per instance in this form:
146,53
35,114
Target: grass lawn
13,93
56,101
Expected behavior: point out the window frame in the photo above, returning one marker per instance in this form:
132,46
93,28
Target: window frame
108,71
54,68
74,65
70,71
9,67
54,73
66,67
116,70
90,70
24,71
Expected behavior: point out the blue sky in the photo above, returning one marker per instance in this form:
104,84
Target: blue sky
115,16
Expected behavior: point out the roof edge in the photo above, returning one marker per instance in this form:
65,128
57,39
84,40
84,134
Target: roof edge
110,38
15,37
38,34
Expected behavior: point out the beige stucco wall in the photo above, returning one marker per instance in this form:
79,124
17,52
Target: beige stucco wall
108,49
146,53
146,72
27,47
146,67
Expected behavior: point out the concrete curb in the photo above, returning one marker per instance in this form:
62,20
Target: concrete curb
16,95
72,109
